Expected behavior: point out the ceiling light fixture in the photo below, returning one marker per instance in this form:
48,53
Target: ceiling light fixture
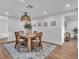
0,17
7,13
22,0
45,12
25,17
67,5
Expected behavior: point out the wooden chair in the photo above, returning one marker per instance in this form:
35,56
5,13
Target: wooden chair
19,40
67,36
34,39
40,35
36,43
35,33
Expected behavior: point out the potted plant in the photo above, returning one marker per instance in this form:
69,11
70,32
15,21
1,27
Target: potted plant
29,27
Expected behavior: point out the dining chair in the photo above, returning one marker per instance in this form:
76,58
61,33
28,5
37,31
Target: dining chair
40,35
36,42
34,39
19,40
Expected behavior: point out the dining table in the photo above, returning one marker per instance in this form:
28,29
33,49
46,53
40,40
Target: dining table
28,39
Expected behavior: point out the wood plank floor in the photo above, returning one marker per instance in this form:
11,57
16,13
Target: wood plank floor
67,51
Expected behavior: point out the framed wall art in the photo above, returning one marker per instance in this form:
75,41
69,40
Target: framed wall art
45,24
53,23
39,24
34,25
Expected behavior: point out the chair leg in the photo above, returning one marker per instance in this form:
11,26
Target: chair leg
18,47
41,46
15,45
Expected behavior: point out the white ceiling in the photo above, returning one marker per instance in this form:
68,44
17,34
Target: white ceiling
17,8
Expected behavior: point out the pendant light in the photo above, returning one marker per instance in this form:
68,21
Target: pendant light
25,17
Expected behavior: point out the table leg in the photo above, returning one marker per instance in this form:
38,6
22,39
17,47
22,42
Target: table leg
29,44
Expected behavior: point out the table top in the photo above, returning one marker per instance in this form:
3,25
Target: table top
27,36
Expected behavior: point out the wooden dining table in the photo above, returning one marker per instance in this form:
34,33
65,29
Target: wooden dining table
28,38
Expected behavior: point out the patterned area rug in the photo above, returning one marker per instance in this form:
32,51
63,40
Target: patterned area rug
23,54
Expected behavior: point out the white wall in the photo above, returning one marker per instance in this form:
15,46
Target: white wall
7,27
3,27
12,27
51,34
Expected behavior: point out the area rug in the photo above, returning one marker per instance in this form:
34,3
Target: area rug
23,54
